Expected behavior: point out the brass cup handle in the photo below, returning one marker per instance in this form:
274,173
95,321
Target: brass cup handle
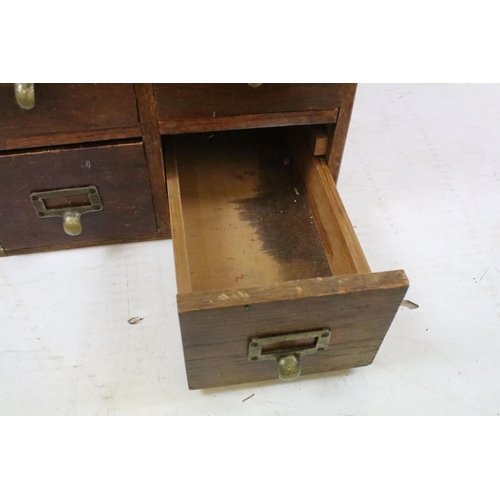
72,224
289,367
255,85
71,216
280,349
25,95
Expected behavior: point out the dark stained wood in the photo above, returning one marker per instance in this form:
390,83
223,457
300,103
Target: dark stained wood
67,138
2,251
241,213
216,326
238,122
185,101
317,137
68,113
118,170
152,146
339,131
69,246
343,251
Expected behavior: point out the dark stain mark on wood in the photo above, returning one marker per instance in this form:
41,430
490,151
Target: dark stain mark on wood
282,218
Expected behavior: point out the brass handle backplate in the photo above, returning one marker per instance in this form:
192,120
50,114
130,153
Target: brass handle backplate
71,215
288,350
25,95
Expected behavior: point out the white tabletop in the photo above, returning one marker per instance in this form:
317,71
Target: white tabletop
421,182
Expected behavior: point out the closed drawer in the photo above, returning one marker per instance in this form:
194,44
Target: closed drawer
68,113
199,107
117,172
268,265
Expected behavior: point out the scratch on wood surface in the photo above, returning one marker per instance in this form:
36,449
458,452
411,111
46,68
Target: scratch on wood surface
246,399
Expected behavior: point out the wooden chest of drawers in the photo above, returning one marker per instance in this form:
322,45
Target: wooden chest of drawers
271,277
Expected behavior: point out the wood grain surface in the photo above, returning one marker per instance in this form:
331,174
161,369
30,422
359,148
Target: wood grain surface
206,100
118,170
339,131
216,326
84,244
217,123
68,114
243,211
152,146
317,136
182,274
340,243
246,209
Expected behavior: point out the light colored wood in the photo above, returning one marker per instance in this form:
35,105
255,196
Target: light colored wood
176,218
245,219
342,247
317,136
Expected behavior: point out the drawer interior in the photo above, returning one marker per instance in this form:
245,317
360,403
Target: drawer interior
246,216
263,247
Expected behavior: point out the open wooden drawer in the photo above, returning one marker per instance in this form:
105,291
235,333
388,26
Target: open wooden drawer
270,274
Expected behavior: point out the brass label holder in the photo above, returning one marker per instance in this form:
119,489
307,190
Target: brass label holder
70,215
288,358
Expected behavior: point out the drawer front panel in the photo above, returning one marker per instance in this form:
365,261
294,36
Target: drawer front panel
217,327
65,109
177,103
119,173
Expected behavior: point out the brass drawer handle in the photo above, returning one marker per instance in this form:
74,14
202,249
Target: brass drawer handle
71,215
255,85
72,224
289,349
25,95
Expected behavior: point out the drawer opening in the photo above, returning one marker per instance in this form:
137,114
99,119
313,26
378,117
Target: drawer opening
263,247
255,208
